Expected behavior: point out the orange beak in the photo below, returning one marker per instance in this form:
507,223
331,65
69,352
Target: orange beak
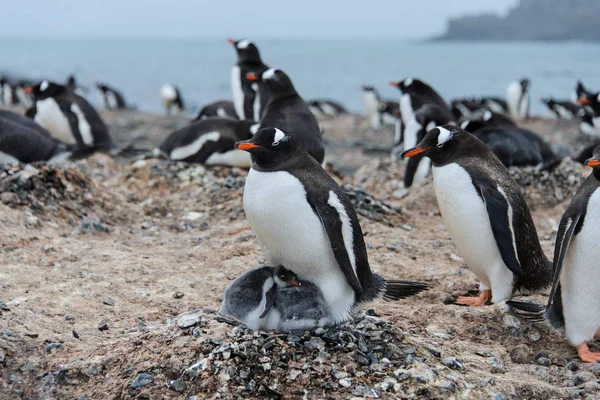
584,101
231,42
592,162
293,283
415,151
28,90
246,146
252,77
395,84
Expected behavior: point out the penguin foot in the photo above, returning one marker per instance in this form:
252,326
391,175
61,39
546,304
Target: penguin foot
586,355
484,297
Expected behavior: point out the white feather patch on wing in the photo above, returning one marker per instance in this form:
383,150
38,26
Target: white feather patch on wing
183,152
347,233
84,127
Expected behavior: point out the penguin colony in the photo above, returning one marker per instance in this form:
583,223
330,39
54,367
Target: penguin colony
319,272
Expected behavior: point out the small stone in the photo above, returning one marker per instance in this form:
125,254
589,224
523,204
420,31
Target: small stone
315,343
346,382
426,375
487,381
108,301
9,198
178,385
511,321
188,319
142,379
75,334
146,225
534,336
103,326
521,354
4,306
54,346
572,366
178,295
194,216
544,361
453,363
197,368
2,356
499,396
361,359
582,377
320,331
294,374
448,387
339,374
32,220
434,351
497,366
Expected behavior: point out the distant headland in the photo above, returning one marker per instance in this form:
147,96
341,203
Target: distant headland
530,20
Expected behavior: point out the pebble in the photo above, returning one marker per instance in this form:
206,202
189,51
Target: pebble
103,326
521,354
9,198
108,301
497,366
543,361
2,356
178,295
316,343
4,306
448,386
582,377
534,336
346,382
54,346
142,379
189,319
511,321
453,363
178,385
194,216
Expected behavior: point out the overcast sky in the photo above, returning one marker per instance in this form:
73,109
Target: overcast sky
236,18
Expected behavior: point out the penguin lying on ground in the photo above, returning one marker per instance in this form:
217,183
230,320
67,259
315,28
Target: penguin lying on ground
209,141
23,141
486,215
574,302
268,298
329,108
304,220
171,97
466,108
111,97
517,98
218,109
248,99
562,109
485,120
495,104
287,111
68,116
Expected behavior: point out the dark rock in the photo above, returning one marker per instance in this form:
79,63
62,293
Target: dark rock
521,354
103,326
108,301
75,334
453,363
142,379
54,346
543,361
582,377
361,358
178,385
315,344
434,351
178,295
497,366
3,306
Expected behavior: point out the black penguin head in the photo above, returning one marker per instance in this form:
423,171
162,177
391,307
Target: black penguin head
268,147
277,81
594,162
71,82
524,84
592,100
102,86
284,276
246,51
45,89
439,144
549,102
367,88
408,85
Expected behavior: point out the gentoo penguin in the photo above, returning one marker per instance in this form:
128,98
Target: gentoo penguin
329,108
72,85
465,108
379,111
220,109
270,298
8,95
22,140
68,116
574,302
580,93
486,119
304,220
248,98
425,119
589,125
24,98
210,142
517,98
171,97
287,111
495,104
486,215
111,97
562,109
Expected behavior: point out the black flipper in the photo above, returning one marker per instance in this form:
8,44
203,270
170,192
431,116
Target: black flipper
396,290
270,300
333,226
498,210
563,241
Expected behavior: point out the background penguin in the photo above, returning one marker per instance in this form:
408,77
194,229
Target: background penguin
275,299
304,221
22,140
562,109
465,108
248,98
287,111
68,116
588,124
171,96
326,107
415,94
72,85
574,302
425,119
378,111
7,94
517,98
111,97
209,141
220,109
580,93
486,215
486,119
495,104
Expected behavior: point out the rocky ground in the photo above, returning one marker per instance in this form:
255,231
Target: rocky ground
112,271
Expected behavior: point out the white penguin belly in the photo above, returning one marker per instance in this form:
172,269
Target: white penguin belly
513,94
465,215
237,92
580,276
234,158
50,116
292,235
371,103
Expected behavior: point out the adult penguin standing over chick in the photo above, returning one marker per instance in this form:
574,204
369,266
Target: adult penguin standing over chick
304,220
68,116
248,99
287,111
486,215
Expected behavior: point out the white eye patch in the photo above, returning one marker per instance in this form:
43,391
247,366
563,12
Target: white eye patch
242,44
279,136
444,136
268,74
487,115
430,126
44,86
408,82
465,124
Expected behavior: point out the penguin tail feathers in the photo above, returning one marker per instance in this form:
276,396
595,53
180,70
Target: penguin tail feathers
396,290
130,151
79,153
528,311
549,165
